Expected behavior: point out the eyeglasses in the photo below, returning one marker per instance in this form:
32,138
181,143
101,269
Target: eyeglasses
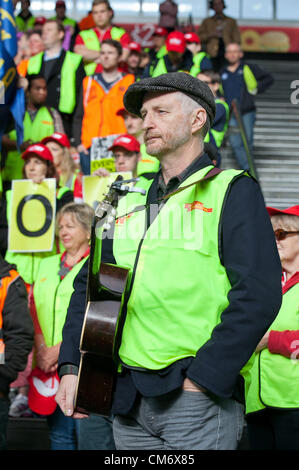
281,234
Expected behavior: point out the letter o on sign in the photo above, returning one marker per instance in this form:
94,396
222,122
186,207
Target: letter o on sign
48,219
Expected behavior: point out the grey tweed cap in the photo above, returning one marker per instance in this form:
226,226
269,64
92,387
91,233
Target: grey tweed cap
167,83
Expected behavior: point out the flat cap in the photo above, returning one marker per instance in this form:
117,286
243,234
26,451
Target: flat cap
167,83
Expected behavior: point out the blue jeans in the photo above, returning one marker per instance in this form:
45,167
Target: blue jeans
95,433
62,430
85,162
180,420
236,139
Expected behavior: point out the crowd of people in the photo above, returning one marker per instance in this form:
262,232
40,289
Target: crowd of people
88,80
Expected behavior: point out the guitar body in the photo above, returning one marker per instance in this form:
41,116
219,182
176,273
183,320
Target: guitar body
105,313
100,339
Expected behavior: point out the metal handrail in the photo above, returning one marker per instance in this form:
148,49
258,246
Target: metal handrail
236,111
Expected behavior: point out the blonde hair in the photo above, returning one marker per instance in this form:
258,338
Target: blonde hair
67,165
82,213
287,222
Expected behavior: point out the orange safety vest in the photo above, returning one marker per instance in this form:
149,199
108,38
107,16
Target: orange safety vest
100,108
4,285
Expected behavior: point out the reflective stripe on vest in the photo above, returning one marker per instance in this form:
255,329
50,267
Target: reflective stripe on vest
67,100
273,379
175,268
5,282
91,41
52,313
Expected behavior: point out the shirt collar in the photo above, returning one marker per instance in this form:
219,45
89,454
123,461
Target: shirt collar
200,162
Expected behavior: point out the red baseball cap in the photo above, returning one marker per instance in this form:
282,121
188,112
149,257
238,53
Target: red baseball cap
38,150
127,142
192,37
58,137
60,3
176,42
40,20
294,210
42,390
135,47
160,31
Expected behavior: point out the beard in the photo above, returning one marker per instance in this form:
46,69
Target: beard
162,145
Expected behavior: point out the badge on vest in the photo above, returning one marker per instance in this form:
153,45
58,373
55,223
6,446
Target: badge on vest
197,205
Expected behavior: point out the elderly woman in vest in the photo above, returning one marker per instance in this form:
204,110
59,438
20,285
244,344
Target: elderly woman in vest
51,295
69,175
272,384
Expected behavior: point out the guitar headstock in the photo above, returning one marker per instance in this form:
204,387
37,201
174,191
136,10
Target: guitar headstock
106,210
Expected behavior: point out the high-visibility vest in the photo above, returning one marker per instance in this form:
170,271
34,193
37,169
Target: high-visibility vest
23,25
178,285
68,93
160,68
52,313
216,134
100,108
5,282
67,21
273,379
42,126
91,41
197,60
147,163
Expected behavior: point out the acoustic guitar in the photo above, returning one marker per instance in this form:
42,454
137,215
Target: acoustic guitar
103,320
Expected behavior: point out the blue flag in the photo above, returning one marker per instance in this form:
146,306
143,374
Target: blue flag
12,98
8,27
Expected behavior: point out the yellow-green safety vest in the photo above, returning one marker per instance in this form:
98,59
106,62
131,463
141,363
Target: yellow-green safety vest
147,163
175,259
42,126
48,284
68,98
273,379
91,41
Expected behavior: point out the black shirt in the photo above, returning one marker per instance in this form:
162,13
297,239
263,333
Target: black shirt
249,254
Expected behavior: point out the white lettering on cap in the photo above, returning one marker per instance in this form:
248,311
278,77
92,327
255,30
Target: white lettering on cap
47,388
38,148
125,140
175,41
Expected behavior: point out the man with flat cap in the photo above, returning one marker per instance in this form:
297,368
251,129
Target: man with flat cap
205,283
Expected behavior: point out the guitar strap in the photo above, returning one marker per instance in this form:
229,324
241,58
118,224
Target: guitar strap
213,172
